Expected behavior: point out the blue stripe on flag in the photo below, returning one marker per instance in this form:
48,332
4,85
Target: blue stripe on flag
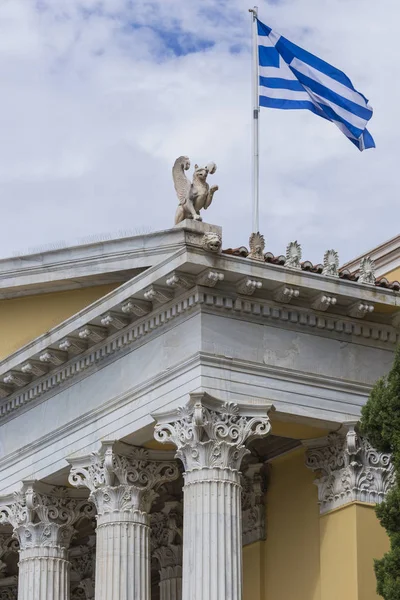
321,94
280,83
289,51
289,104
321,90
263,29
268,56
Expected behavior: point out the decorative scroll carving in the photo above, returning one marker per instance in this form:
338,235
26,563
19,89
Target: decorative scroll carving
257,246
121,477
350,470
178,280
139,308
34,367
156,293
208,433
16,378
54,357
9,593
210,278
42,515
83,562
248,286
360,309
331,263
113,319
253,504
8,544
323,302
286,293
367,271
94,333
72,345
293,255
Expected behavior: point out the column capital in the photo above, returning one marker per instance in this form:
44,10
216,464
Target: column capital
43,515
349,469
210,433
83,560
121,477
166,535
9,593
254,487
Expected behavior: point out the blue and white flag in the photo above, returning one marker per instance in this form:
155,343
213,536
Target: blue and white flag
291,78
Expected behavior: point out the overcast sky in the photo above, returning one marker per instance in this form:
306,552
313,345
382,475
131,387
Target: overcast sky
98,98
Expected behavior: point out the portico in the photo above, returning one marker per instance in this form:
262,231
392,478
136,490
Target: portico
144,438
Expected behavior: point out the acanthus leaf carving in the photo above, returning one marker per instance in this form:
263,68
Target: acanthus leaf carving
44,517
207,433
349,469
122,477
253,503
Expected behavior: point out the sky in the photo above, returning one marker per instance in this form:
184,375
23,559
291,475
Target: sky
99,97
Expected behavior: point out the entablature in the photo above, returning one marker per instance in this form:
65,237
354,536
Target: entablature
194,278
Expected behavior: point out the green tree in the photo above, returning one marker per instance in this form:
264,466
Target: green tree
380,423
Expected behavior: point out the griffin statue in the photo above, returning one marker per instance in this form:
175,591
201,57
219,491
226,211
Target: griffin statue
195,196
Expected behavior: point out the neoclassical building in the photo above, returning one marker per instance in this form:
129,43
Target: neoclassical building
179,421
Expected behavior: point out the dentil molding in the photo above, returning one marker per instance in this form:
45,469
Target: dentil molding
55,368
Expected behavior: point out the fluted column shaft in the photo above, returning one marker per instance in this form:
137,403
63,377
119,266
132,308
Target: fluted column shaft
212,557
43,573
122,556
171,583
211,438
122,481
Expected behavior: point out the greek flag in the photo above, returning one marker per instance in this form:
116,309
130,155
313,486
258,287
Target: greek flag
291,78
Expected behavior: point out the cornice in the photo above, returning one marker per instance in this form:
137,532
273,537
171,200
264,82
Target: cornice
209,300
383,254
240,288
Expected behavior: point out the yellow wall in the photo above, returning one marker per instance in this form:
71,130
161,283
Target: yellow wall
289,558
24,319
351,537
292,546
393,275
254,571
307,556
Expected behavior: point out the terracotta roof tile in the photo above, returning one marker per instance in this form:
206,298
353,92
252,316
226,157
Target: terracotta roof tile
307,265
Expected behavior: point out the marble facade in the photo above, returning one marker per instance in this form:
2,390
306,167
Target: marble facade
135,436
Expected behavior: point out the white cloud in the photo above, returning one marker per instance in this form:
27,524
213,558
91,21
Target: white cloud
95,106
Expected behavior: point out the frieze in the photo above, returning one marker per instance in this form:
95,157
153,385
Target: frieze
61,372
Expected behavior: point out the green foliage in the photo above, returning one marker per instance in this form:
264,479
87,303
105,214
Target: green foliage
380,423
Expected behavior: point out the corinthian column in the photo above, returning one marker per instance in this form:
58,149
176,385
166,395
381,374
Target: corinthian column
42,518
166,544
210,437
122,480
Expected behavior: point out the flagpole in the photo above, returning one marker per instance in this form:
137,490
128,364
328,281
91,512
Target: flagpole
255,113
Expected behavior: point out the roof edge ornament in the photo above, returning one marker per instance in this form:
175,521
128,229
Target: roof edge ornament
257,246
367,271
192,196
331,263
293,255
